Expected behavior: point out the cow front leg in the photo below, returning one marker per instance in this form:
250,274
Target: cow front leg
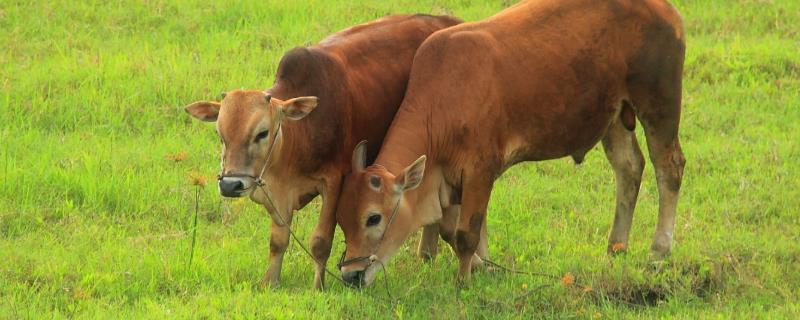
321,243
322,238
475,200
447,230
278,242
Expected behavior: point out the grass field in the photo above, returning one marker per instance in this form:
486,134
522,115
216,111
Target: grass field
96,152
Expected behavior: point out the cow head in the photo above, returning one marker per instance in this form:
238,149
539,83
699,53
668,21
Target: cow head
374,215
246,123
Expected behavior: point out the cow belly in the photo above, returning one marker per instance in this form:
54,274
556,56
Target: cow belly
561,133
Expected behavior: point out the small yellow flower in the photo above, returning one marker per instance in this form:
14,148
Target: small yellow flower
178,156
568,279
197,179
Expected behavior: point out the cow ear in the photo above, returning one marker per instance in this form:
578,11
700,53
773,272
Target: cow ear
298,108
411,177
360,156
204,110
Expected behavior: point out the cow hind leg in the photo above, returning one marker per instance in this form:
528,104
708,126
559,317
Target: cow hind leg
654,84
668,160
622,151
660,117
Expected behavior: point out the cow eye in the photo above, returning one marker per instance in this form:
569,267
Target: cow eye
261,135
373,220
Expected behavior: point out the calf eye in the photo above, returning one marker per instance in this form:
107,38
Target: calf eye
261,135
373,220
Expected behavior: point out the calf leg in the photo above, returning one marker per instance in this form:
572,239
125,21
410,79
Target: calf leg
483,245
447,230
475,200
429,242
660,116
278,242
448,224
322,237
655,86
622,151
669,162
320,244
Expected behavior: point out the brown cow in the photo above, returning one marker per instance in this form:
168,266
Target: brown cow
358,77
541,80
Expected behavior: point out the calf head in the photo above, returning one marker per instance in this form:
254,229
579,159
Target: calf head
374,215
247,123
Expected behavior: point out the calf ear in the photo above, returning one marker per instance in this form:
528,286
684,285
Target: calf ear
411,177
298,108
204,110
360,156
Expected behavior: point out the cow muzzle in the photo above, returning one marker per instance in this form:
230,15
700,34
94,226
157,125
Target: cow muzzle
234,187
354,278
359,272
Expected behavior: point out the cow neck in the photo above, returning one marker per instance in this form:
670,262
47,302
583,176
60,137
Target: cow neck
300,149
406,140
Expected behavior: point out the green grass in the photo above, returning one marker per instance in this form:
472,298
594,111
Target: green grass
95,218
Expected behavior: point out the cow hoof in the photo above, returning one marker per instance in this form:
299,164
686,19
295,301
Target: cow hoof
660,250
477,264
269,283
426,256
616,249
658,256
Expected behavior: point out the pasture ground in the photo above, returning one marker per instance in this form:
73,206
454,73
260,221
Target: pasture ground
96,153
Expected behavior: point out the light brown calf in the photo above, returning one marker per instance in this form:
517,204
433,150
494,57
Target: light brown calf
541,80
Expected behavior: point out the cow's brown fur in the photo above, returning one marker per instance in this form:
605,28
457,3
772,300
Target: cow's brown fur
359,76
542,80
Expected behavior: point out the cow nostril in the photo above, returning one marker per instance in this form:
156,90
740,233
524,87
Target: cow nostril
231,187
238,185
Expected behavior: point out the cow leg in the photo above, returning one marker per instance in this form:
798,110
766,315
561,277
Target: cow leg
659,114
322,238
483,245
447,231
667,157
448,224
278,242
429,242
475,200
622,151
482,252
654,84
